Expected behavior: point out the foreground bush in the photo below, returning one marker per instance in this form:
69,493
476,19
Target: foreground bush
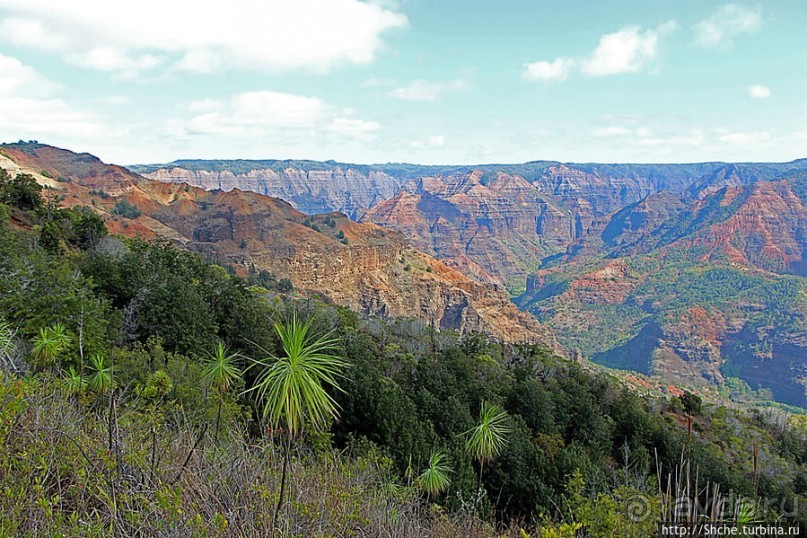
66,472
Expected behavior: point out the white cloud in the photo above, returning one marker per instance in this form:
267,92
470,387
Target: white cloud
262,114
433,142
30,32
353,128
140,36
757,91
646,137
29,110
606,132
116,100
548,71
629,50
746,139
23,117
726,22
111,59
424,90
20,79
694,137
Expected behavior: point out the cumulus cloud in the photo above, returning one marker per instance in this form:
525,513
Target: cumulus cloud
30,109
545,71
261,114
252,36
424,90
629,50
20,79
726,22
757,91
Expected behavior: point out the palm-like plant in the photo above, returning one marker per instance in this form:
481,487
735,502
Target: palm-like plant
50,343
291,387
434,479
100,380
74,382
221,372
486,440
45,347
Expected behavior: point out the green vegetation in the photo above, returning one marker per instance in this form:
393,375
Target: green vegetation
666,294
126,209
22,191
434,479
330,424
291,387
221,372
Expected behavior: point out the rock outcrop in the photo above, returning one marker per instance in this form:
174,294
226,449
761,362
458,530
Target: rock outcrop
503,226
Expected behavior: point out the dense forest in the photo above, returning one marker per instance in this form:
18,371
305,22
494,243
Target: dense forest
148,392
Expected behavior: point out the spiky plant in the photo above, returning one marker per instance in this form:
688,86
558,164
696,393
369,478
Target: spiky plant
74,382
291,388
747,513
434,479
100,381
221,372
44,348
486,440
50,343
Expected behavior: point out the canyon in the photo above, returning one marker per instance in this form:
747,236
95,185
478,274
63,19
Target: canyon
694,273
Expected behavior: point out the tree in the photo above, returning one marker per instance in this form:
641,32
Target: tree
486,440
50,237
21,191
434,479
88,227
291,387
221,372
692,403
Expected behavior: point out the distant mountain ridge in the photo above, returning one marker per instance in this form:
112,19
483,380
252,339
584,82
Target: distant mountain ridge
489,239
262,176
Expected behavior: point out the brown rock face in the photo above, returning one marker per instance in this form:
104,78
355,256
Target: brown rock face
503,227
361,266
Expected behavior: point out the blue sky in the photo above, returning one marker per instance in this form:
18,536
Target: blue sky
422,81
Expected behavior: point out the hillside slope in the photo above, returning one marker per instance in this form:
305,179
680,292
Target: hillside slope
361,266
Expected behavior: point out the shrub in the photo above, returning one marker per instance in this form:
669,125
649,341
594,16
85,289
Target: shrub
126,209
